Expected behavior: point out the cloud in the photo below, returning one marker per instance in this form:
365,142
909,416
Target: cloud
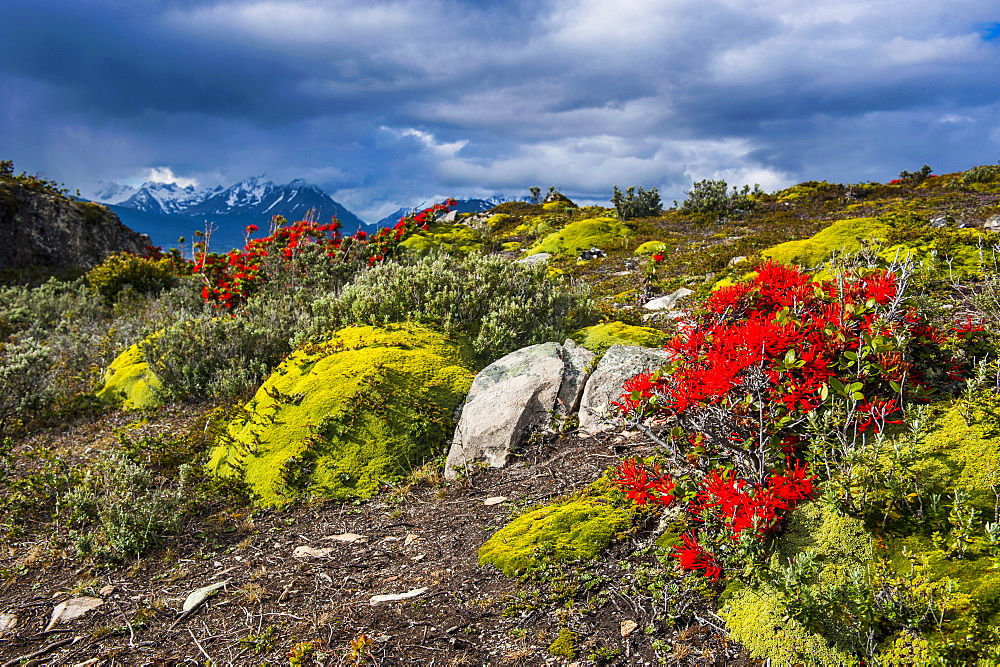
166,175
393,102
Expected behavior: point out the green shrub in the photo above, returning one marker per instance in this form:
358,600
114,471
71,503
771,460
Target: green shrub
120,509
636,203
983,174
496,305
714,197
916,177
125,270
25,370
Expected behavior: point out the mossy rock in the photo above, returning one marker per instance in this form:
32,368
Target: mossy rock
600,337
844,236
130,383
338,419
652,248
577,528
450,238
582,235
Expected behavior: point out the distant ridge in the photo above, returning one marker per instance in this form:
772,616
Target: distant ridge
463,206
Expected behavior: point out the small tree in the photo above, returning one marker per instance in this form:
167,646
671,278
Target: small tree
636,202
916,177
714,197
536,194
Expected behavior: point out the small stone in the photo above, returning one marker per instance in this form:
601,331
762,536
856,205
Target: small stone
346,537
537,258
669,301
992,223
495,500
72,609
410,539
107,590
379,599
7,622
196,597
628,627
306,551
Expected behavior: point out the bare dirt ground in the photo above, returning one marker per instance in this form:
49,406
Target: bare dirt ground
297,586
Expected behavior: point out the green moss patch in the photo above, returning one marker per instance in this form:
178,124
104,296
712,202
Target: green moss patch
338,419
600,337
129,383
574,529
582,235
450,238
844,236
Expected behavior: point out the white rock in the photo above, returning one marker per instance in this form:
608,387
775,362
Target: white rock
346,537
495,500
196,597
379,599
619,363
512,394
669,301
306,551
537,258
992,223
7,622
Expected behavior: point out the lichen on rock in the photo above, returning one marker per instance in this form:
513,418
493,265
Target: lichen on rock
340,418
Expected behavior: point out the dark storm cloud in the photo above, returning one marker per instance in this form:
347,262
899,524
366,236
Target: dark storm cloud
393,101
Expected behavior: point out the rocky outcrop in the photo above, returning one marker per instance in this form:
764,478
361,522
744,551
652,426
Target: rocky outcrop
521,390
51,231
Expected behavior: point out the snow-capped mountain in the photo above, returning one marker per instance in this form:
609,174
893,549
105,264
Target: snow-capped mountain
167,211
167,198
112,193
463,206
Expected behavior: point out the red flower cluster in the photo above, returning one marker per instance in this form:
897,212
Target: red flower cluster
231,277
765,353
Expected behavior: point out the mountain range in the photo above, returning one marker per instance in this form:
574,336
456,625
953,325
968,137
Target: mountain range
168,211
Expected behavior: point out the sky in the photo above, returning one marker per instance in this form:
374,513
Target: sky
389,103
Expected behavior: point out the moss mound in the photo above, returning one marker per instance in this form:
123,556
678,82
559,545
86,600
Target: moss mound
338,419
576,528
450,238
652,248
129,383
842,236
582,235
600,337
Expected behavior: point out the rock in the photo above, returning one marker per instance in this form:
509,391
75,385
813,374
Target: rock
736,260
54,232
992,223
379,599
592,253
512,394
620,363
72,609
628,627
669,301
199,595
450,216
341,418
538,258
940,221
495,500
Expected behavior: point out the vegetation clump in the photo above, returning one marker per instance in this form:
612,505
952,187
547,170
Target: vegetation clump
580,235
710,196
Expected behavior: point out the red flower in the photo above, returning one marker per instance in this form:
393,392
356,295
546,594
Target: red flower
657,258
692,556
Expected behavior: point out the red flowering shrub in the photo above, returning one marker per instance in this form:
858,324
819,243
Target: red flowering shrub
755,369
232,277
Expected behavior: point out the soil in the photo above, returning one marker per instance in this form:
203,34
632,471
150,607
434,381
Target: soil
280,603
